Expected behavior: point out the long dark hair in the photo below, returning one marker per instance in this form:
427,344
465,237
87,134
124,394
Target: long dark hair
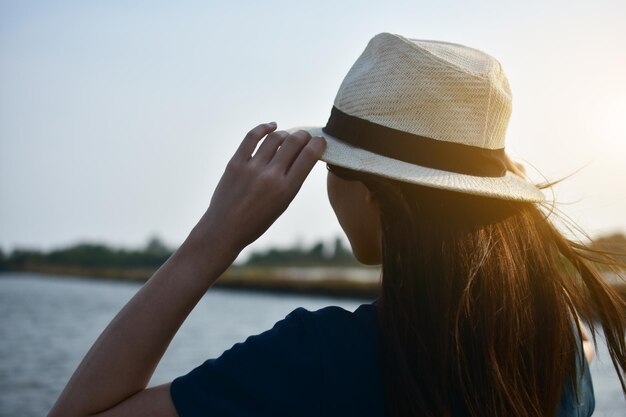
478,300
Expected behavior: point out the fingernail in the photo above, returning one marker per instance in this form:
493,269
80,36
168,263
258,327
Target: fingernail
272,123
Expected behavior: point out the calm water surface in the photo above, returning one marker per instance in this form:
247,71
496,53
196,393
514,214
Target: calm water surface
47,324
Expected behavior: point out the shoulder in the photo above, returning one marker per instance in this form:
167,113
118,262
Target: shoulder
277,372
348,347
581,403
333,314
302,362
335,321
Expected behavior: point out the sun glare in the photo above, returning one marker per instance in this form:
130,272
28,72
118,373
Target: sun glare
612,126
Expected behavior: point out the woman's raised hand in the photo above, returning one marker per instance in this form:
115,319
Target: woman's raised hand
255,190
514,166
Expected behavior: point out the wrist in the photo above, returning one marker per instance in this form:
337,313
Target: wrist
208,245
212,229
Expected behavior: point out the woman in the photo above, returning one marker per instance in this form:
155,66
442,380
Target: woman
480,298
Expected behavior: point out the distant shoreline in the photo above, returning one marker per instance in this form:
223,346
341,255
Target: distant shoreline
344,282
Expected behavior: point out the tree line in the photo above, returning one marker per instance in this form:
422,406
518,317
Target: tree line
155,253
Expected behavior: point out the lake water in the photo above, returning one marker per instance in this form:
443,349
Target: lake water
47,324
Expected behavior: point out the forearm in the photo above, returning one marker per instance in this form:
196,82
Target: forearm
124,357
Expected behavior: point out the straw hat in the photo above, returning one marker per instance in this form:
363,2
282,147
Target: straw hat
426,112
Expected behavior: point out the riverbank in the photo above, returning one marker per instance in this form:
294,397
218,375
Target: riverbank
349,282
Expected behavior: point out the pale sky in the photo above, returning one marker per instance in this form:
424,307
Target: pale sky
117,119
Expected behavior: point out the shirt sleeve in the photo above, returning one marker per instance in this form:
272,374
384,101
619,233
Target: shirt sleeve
582,403
275,373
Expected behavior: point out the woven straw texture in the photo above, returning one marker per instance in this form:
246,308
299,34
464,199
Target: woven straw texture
440,90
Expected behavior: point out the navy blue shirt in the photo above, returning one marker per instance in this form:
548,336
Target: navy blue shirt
311,363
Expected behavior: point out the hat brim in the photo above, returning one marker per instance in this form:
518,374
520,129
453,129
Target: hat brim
508,187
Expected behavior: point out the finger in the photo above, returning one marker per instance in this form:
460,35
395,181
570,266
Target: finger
268,148
252,138
520,167
514,167
307,158
290,149
517,168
